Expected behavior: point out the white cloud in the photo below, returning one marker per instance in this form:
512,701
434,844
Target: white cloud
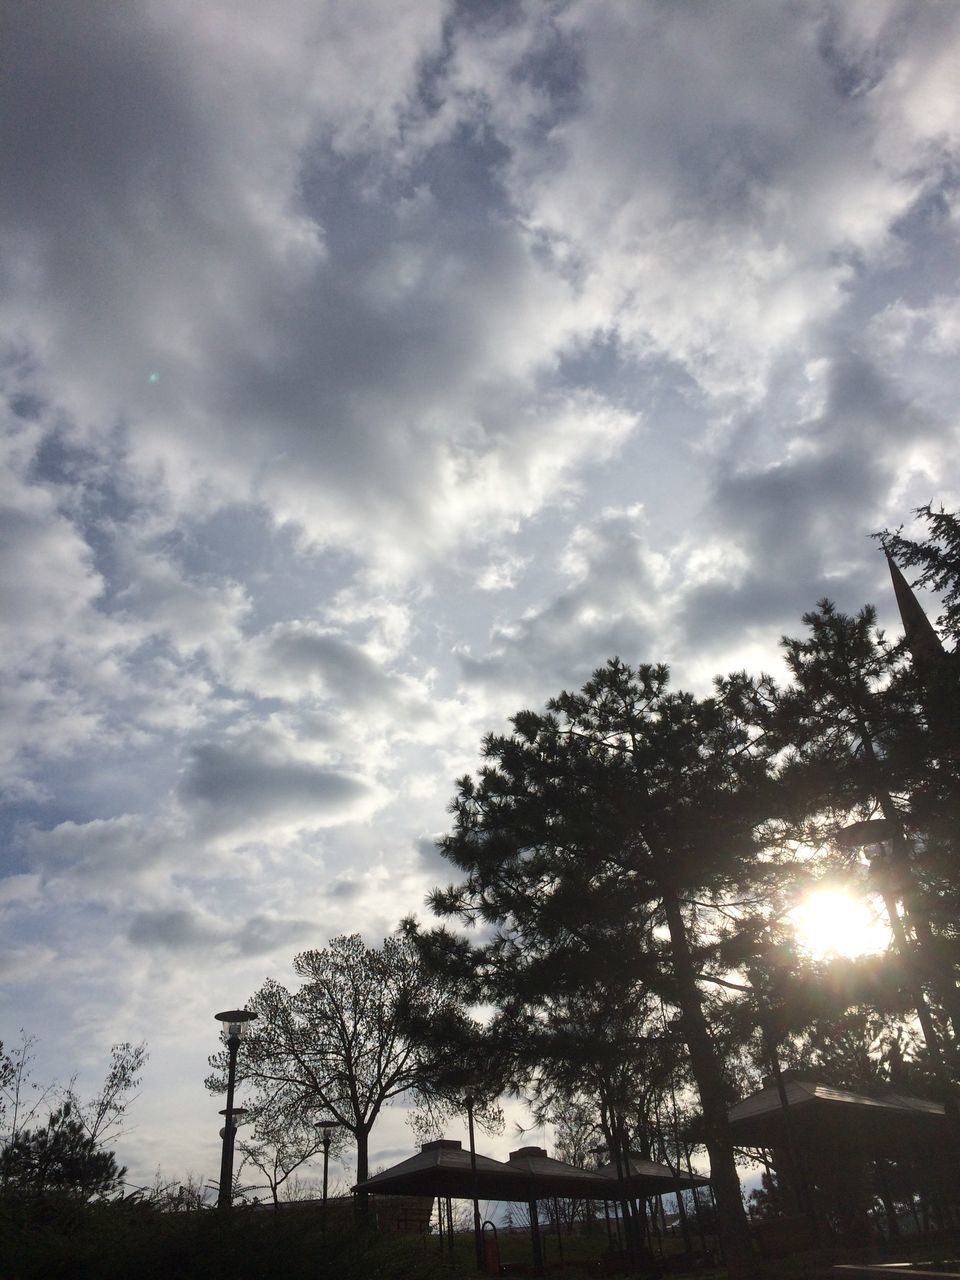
378,371
502,574
23,962
702,222
934,328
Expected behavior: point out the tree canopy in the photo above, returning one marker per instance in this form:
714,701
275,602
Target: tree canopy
601,840
59,1157
338,1047
629,854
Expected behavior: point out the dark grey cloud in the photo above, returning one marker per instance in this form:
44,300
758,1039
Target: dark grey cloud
305,652
345,890
430,857
803,522
186,929
261,933
231,787
174,928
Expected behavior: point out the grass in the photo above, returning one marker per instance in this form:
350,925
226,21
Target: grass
66,1241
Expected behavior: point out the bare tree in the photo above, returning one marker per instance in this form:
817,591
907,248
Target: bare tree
280,1146
21,1097
103,1116
339,1046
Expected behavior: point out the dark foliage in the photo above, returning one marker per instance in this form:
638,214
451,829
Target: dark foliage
123,1238
339,1047
59,1158
937,556
596,844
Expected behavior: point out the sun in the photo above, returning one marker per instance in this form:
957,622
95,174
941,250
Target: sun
833,922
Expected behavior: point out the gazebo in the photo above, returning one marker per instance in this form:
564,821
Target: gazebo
834,1150
549,1179
443,1169
876,1125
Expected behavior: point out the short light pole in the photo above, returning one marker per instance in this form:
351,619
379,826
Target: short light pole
230,1135
233,1021
326,1138
326,1128
469,1101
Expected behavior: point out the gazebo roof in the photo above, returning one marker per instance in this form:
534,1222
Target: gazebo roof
443,1168
758,1121
647,1178
549,1177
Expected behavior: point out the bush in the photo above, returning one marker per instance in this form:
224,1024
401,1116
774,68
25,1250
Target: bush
116,1239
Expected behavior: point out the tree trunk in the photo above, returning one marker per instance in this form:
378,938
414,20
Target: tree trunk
731,1219
362,1136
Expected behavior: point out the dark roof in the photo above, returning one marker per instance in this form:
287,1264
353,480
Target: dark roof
442,1168
647,1178
549,1177
813,1108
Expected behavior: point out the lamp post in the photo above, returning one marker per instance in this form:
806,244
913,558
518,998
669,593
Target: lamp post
230,1135
233,1021
326,1128
469,1101
326,1138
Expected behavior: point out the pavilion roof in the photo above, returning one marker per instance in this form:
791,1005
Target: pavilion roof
442,1168
647,1178
549,1177
758,1121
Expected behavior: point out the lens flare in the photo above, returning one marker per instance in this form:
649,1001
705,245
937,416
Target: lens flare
833,922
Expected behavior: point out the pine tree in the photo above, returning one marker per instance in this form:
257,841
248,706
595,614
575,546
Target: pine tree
857,744
938,558
590,843
59,1158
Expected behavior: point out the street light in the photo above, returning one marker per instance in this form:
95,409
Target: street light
326,1128
238,1114
469,1101
233,1021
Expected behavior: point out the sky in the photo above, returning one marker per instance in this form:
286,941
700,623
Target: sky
371,371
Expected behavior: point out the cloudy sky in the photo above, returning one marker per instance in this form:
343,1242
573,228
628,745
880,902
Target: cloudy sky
371,370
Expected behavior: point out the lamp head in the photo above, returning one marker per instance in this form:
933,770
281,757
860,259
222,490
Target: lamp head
326,1128
233,1021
